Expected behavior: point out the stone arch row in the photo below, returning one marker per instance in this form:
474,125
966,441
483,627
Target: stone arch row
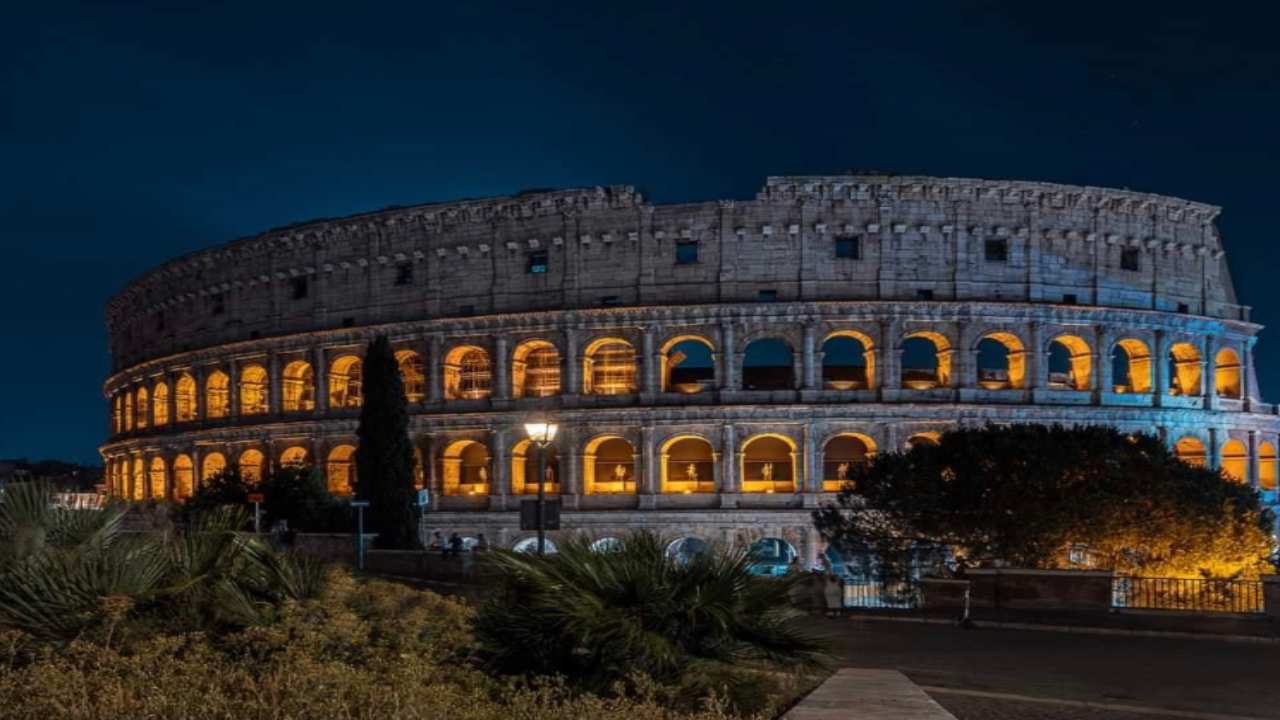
688,362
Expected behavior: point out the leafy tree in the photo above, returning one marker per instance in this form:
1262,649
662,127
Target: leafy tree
597,617
384,456
221,489
298,495
1022,495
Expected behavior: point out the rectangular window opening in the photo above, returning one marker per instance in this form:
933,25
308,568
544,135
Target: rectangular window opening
924,294
686,252
1129,259
298,287
404,274
537,262
849,248
1184,308
217,304
997,250
767,296
610,300
1070,299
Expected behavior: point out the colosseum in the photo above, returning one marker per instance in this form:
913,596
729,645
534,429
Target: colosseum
715,367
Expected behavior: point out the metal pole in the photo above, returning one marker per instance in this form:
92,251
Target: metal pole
360,538
542,497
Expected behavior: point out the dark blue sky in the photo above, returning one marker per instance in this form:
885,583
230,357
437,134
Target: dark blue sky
130,134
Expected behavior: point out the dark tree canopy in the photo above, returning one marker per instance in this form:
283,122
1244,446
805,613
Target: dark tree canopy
1023,495
384,455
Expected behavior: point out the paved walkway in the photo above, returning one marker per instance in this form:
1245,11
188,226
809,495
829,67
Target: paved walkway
995,674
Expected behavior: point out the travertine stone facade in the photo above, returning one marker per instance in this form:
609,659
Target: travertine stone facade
584,303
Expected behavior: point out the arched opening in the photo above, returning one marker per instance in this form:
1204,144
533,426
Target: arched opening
535,370
685,549
160,403
1227,373
253,390
768,464
1190,451
299,387
340,470
688,365
610,466
466,468
413,375
1184,370
293,457
606,544
212,464
345,375
184,477
157,490
251,466
926,361
768,364
1070,363
419,474
929,437
1267,466
848,361
184,400
609,367
117,413
128,411
1002,362
524,469
139,480
1235,461
1131,366
142,401
841,455
217,395
688,466
529,546
771,556
467,373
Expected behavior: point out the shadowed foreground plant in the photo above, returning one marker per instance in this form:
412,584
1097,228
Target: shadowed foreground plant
598,617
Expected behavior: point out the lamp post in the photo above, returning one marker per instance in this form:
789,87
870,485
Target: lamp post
541,432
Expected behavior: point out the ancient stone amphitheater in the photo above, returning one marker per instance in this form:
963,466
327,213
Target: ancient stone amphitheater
715,367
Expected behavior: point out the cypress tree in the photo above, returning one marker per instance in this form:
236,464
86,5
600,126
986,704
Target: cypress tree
384,457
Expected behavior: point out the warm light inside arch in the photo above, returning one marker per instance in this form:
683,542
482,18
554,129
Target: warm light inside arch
768,464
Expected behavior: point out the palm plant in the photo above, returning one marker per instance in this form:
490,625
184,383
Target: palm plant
64,570
597,617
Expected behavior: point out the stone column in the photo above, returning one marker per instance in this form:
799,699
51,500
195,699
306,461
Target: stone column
1247,391
435,369
891,355
1209,372
1213,458
810,358
571,485
572,373
233,387
502,367
275,393
500,488
1160,358
1252,471
729,355
648,487
150,409
729,484
319,377
812,466
1037,360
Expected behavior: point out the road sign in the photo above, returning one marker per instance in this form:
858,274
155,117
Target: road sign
256,498
424,497
550,515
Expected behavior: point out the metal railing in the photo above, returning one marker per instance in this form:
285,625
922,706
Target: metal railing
1198,595
882,594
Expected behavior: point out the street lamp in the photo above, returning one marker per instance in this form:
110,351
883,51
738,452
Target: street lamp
541,432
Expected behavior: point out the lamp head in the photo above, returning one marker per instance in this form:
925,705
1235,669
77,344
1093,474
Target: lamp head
541,431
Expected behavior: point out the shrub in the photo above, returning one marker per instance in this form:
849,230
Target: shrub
298,495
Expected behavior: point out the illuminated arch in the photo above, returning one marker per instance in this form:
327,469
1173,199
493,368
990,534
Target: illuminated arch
1267,466
139,480
128,410
840,455
253,390
771,556
609,367
117,412
1190,450
184,399
768,364
298,387
688,465
142,401
535,369
217,395
609,466
933,368
1131,366
687,364
840,351
530,545
160,403
345,374
1070,363
684,549
413,375
212,464
156,488
1235,461
184,477
340,470
1184,369
252,465
295,456
768,464
468,374
419,474
524,469
928,437
1002,361
467,468
1226,373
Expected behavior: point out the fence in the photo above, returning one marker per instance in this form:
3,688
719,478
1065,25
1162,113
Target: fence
1234,596
882,594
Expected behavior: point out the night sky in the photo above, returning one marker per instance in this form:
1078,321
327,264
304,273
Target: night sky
130,135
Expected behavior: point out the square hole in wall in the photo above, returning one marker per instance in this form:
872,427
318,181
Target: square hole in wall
849,248
767,296
996,250
1070,299
924,294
